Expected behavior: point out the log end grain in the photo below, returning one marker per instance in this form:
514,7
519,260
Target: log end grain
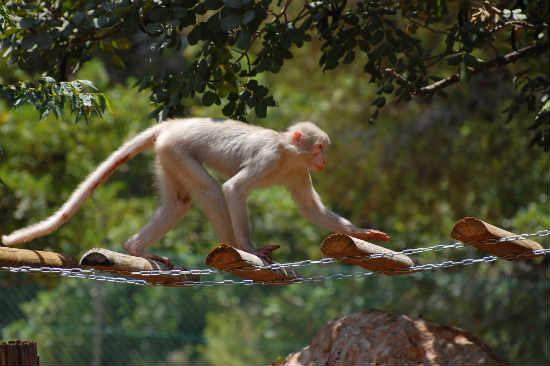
356,251
247,265
114,262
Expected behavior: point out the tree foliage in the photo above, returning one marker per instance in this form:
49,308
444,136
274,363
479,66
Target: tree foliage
49,96
410,49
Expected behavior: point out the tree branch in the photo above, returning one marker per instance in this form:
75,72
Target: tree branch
494,63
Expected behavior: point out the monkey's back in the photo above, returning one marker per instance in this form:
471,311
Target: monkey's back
221,144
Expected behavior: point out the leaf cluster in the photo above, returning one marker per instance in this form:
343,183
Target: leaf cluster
408,48
50,97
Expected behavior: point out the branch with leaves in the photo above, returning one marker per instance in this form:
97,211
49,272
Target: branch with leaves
229,44
50,97
473,66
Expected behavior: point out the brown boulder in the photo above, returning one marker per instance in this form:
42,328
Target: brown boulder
375,337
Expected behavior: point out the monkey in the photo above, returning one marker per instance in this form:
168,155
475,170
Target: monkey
252,157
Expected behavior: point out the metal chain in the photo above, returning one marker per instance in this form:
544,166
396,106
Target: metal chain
93,274
90,273
311,262
75,273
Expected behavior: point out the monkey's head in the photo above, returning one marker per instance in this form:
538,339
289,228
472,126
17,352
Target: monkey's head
310,142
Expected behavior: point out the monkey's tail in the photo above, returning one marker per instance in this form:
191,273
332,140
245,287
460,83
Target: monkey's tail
128,150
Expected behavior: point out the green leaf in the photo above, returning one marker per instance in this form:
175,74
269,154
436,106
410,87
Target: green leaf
122,44
364,45
373,116
101,99
102,22
200,9
230,22
261,110
261,91
44,40
270,101
388,88
180,12
118,61
209,98
235,4
159,14
544,109
79,115
517,14
212,4
249,16
244,39
88,83
48,79
455,60
79,17
28,42
379,102
229,108
195,35
28,23
86,99
377,37
350,56
153,28
470,60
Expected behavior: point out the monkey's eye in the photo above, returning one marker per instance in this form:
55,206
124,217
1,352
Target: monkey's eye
317,148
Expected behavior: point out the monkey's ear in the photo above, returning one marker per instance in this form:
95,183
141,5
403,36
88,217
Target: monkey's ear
296,137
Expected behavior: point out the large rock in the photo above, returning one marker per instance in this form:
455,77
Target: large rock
375,337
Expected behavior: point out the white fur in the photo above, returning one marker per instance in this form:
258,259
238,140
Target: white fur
252,157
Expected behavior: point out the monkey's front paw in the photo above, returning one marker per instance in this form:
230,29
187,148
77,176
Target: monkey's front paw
371,234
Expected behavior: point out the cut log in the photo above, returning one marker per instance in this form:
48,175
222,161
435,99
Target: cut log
247,265
110,261
344,248
17,257
473,231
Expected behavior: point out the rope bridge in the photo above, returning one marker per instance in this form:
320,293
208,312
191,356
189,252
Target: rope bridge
106,265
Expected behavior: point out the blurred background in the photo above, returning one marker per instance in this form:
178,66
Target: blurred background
412,173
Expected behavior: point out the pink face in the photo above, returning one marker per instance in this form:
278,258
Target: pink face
319,158
316,158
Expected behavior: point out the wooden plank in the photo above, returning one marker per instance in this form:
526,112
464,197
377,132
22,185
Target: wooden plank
470,230
244,264
110,261
343,247
17,257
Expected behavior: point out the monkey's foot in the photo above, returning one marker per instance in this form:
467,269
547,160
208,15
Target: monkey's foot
265,252
158,258
129,265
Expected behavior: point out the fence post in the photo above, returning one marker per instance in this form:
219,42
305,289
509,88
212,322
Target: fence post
18,353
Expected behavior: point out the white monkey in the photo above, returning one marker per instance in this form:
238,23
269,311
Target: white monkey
251,156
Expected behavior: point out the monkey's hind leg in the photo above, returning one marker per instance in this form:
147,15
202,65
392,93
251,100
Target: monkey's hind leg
204,189
174,204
